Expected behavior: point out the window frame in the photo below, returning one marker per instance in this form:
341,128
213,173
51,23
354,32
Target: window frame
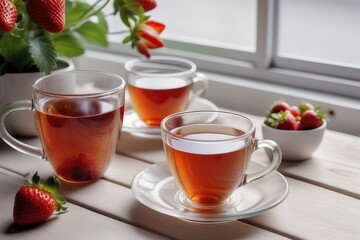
263,64
249,82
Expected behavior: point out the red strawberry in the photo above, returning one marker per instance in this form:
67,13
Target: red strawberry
310,120
287,121
35,203
280,106
305,106
48,14
147,4
295,111
8,15
282,120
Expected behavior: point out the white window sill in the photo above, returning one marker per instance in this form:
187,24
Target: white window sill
249,95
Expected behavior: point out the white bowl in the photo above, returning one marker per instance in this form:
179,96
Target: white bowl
295,145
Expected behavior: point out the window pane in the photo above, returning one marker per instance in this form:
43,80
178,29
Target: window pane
229,23
320,30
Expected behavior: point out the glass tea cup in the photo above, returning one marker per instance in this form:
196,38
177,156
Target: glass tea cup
208,153
161,86
78,117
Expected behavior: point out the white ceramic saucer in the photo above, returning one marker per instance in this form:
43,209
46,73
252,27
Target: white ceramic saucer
155,187
135,126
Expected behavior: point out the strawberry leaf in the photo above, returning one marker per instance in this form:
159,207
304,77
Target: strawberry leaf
13,47
127,39
52,184
74,11
36,179
43,53
78,12
93,33
60,199
125,17
15,52
67,45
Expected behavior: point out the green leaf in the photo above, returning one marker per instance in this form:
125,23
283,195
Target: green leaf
67,45
43,53
116,6
93,34
124,18
78,12
17,49
14,49
74,12
127,39
60,199
32,178
52,184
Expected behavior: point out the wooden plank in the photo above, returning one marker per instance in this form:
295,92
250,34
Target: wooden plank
78,223
147,150
306,206
335,165
306,213
122,205
312,212
118,202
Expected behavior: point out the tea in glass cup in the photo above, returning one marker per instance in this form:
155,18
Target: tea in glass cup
208,153
78,117
161,86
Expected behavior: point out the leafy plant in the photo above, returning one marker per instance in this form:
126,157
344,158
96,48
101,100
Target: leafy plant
29,47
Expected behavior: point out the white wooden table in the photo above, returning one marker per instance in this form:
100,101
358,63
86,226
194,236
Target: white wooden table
323,202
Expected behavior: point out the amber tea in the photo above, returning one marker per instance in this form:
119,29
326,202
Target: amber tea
155,98
79,136
162,85
208,175
78,117
209,152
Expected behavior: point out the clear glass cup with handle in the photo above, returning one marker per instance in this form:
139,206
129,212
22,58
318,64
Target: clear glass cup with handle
162,85
78,117
208,153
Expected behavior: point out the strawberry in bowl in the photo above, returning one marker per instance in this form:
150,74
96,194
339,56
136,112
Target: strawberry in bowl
298,129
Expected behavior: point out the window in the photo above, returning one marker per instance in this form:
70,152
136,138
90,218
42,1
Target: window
321,31
302,49
320,36
229,24
311,44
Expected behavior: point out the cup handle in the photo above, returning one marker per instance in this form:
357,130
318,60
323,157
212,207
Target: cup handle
275,161
200,85
10,140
